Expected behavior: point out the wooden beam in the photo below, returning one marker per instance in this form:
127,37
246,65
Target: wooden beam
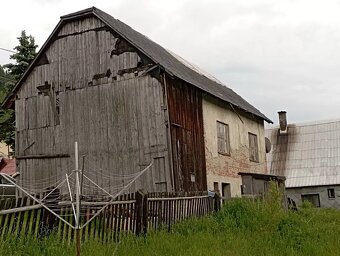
176,198
43,156
21,209
68,203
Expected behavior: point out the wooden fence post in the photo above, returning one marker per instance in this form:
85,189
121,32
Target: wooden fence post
145,215
141,213
217,202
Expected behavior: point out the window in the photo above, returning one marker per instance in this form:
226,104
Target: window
331,193
314,199
223,146
253,148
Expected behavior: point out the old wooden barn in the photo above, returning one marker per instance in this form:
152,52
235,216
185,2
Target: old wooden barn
124,98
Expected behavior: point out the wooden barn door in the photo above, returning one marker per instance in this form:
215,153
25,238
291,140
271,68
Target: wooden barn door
187,137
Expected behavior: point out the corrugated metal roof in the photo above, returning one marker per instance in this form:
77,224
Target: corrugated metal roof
308,154
161,57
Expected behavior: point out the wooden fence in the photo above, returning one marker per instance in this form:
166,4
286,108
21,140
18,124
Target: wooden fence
133,213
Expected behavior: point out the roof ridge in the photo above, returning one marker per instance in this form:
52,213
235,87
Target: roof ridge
77,13
305,124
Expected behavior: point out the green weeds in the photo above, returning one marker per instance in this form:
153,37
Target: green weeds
242,227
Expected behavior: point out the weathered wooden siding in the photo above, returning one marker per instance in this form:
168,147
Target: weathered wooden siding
81,59
187,135
105,103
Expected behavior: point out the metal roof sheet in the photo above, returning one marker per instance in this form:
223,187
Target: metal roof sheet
308,154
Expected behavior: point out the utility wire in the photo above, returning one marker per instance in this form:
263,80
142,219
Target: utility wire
4,49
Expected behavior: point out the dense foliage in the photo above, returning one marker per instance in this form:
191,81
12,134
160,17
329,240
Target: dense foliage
9,75
25,53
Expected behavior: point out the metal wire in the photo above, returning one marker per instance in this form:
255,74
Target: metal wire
57,193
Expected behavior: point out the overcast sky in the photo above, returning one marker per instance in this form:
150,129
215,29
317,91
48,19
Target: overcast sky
278,55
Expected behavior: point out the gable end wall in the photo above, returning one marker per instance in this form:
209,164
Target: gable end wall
104,102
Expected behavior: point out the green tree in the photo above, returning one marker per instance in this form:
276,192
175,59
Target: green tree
3,80
6,82
25,53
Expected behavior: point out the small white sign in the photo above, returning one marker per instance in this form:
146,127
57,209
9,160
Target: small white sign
192,177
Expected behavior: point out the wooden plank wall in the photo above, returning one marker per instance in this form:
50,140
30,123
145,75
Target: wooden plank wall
187,135
115,113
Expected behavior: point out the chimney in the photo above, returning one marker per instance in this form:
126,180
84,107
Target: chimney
283,121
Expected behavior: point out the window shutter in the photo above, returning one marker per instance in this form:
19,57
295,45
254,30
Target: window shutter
223,145
253,148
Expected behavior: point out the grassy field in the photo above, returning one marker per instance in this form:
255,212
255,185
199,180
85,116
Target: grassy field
242,227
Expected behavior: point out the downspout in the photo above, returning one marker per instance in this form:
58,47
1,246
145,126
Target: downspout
169,139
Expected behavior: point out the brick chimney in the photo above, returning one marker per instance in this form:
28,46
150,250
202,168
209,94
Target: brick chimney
283,121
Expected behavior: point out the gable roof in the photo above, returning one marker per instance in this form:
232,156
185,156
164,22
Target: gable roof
308,155
160,56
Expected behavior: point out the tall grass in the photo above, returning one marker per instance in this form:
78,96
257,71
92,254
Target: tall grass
247,227
50,246
242,227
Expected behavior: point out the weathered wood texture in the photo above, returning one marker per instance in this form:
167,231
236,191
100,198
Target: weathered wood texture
95,93
187,136
127,214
